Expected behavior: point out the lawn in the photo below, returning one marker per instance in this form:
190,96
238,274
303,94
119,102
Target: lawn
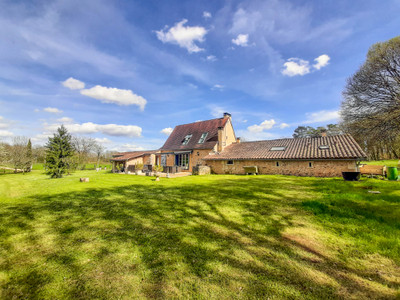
218,236
388,162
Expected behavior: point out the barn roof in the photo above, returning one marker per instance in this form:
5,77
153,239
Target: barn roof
196,129
330,147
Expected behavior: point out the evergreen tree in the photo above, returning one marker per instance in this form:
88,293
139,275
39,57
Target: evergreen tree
58,151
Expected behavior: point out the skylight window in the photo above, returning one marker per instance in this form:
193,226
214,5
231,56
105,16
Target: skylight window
278,148
323,147
203,137
186,139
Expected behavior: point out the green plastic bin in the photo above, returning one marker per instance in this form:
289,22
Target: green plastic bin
392,173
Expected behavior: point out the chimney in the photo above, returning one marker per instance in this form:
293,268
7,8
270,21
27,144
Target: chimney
323,132
227,115
238,140
220,135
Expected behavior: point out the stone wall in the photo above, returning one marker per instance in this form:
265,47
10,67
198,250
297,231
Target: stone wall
326,168
134,161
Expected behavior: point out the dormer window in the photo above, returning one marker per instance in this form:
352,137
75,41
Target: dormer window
323,147
203,137
278,148
186,139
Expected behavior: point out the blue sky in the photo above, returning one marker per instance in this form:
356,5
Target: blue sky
126,72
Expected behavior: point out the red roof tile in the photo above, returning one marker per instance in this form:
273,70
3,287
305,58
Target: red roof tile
174,141
340,147
123,156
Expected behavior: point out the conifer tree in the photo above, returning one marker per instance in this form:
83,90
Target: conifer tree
58,150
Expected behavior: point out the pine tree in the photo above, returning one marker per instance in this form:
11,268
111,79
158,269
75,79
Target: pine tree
58,151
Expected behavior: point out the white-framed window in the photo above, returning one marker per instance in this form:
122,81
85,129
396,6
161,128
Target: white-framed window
229,162
278,148
163,160
323,147
186,139
203,137
277,164
310,164
182,160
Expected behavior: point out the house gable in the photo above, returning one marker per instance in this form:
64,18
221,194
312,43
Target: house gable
189,136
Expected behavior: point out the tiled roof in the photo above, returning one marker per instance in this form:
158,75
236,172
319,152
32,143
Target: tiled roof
174,141
340,147
123,156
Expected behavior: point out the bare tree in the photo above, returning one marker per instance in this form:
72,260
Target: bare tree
83,147
98,150
371,106
18,153
3,153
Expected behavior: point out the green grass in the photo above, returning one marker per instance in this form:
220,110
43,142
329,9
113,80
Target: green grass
228,237
91,166
388,162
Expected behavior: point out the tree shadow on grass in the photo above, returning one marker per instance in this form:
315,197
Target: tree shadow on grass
216,239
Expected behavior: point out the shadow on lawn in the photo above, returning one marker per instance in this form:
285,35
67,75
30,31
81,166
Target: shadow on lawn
220,238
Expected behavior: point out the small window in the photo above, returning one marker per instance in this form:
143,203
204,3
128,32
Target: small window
277,164
186,139
229,162
310,164
280,148
203,137
323,147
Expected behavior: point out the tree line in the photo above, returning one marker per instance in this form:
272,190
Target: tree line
370,109
75,152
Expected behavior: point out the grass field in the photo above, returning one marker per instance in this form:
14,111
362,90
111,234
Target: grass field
388,162
226,237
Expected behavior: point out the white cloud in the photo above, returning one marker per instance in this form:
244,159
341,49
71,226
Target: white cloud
41,138
3,123
296,66
114,95
6,133
322,61
184,36
127,148
265,125
283,125
73,84
217,111
218,87
241,40
167,131
211,58
322,116
36,110
206,15
103,140
107,129
65,120
256,136
52,110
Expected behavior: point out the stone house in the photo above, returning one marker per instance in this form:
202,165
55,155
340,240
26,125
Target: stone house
188,144
214,143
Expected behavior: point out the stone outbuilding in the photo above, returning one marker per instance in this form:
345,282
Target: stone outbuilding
126,161
322,156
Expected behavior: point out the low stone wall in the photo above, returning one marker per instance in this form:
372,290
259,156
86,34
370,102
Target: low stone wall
201,170
328,168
